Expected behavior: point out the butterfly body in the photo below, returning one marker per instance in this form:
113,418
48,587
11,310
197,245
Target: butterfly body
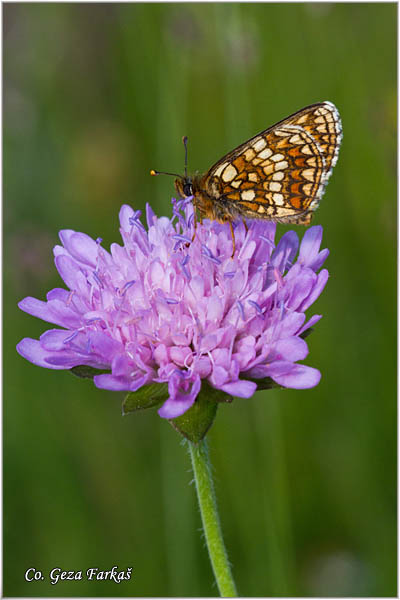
278,175
208,198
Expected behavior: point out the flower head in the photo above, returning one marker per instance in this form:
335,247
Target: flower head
167,308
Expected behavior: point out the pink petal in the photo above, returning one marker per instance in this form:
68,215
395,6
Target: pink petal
81,246
322,278
71,273
53,340
292,349
125,214
314,319
119,384
310,245
173,407
300,377
36,308
33,351
241,388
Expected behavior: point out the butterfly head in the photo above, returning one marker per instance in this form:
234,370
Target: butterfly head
184,186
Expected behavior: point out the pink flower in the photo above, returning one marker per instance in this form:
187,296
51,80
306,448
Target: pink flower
165,308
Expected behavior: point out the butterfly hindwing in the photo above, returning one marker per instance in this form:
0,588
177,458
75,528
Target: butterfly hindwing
280,174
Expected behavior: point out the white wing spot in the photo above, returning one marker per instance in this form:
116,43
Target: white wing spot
269,169
277,157
278,199
253,176
249,154
295,139
220,169
308,174
229,173
274,186
281,165
278,176
248,195
265,153
306,149
307,188
259,145
280,132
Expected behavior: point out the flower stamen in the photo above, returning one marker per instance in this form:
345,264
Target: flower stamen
256,306
241,309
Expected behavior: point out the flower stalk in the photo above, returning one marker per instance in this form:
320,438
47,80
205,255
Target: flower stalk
210,518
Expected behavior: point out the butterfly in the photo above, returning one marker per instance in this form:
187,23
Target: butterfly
278,175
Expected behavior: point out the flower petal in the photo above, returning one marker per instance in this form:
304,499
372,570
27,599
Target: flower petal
241,388
180,400
36,308
125,214
55,311
119,384
54,339
322,278
300,377
314,319
33,351
71,273
80,246
291,348
310,245
285,251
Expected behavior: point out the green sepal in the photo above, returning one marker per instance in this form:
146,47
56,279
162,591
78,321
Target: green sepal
265,384
306,333
196,421
86,372
145,397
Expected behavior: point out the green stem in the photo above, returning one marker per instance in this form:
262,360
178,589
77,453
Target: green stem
209,515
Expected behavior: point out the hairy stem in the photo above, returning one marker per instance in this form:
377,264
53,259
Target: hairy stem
209,515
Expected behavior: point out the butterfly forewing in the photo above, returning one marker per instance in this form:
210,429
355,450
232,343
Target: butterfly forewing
279,174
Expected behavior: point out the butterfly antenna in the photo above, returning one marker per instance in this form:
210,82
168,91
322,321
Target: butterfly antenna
185,140
153,172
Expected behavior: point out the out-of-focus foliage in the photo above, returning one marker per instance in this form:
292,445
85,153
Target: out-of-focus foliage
95,95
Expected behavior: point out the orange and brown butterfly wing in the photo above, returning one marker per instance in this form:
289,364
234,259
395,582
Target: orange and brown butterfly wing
324,124
280,174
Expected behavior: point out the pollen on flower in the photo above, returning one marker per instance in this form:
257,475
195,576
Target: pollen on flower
168,306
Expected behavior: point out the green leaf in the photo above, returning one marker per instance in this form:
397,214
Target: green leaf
145,397
86,372
196,421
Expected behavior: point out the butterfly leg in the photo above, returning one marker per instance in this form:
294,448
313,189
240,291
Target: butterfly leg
233,239
195,225
245,225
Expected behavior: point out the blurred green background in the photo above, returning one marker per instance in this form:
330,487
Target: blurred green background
95,95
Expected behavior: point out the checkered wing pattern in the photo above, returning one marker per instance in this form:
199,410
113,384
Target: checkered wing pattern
281,173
